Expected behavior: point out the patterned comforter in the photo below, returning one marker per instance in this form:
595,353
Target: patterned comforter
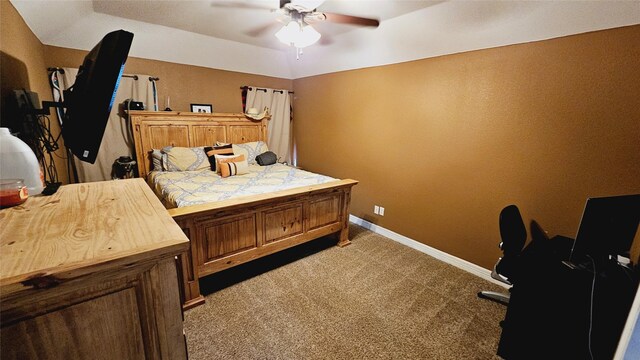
184,188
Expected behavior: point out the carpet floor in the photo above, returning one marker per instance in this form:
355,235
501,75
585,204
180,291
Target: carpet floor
373,299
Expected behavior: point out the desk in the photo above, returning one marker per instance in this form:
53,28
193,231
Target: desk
90,273
548,316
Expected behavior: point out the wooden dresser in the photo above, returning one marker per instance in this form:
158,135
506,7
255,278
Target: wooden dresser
90,273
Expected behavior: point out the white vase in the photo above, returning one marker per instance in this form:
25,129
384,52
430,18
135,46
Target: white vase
17,161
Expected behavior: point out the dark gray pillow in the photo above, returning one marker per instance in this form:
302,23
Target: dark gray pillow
266,158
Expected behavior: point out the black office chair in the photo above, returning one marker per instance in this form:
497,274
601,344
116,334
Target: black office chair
514,235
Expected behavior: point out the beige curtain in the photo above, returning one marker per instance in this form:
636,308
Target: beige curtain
117,139
279,130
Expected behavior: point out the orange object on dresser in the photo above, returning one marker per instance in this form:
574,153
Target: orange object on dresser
12,192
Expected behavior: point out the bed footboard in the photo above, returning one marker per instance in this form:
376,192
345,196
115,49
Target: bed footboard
228,233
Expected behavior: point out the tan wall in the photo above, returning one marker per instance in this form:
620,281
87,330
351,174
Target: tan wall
22,65
445,143
184,84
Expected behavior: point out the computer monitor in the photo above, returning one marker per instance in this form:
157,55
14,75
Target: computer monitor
607,228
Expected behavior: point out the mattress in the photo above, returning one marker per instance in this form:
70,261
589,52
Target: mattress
185,188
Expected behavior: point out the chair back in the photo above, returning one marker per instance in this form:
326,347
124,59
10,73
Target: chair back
512,231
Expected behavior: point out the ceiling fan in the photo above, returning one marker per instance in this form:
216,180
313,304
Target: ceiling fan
297,17
306,11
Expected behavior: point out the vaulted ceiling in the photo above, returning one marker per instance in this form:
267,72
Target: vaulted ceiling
239,35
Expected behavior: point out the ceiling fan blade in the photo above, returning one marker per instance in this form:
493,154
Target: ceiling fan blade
257,31
348,19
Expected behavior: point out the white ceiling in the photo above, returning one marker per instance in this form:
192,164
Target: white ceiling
239,20
222,34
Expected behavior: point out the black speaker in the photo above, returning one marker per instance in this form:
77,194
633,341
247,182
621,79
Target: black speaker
132,105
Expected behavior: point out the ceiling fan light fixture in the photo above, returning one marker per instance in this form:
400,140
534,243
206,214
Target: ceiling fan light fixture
288,33
309,37
298,35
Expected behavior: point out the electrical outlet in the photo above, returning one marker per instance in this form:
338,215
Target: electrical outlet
381,211
376,209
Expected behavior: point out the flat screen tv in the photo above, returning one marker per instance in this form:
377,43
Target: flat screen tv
88,102
607,228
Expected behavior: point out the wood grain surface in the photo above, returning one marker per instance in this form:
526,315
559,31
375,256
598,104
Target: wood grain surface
90,273
83,226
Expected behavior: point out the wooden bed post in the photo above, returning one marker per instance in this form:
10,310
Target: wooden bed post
343,235
187,274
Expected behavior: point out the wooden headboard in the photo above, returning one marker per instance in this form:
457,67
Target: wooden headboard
157,129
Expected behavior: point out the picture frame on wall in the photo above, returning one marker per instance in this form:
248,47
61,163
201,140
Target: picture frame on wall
202,108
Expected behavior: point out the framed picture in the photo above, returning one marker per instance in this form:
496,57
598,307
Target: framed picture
201,108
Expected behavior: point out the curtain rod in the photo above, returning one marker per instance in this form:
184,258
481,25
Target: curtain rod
265,90
134,77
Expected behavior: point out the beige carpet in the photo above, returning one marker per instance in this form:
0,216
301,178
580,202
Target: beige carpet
373,299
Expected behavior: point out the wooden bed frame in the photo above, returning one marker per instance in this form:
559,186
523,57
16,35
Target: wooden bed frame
231,232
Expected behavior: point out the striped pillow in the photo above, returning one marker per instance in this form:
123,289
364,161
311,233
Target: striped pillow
236,165
217,150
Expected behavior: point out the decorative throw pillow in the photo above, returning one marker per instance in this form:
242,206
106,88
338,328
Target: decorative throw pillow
225,158
156,159
184,159
266,158
233,166
250,150
217,150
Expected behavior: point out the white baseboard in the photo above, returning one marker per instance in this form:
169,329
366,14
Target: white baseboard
440,255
